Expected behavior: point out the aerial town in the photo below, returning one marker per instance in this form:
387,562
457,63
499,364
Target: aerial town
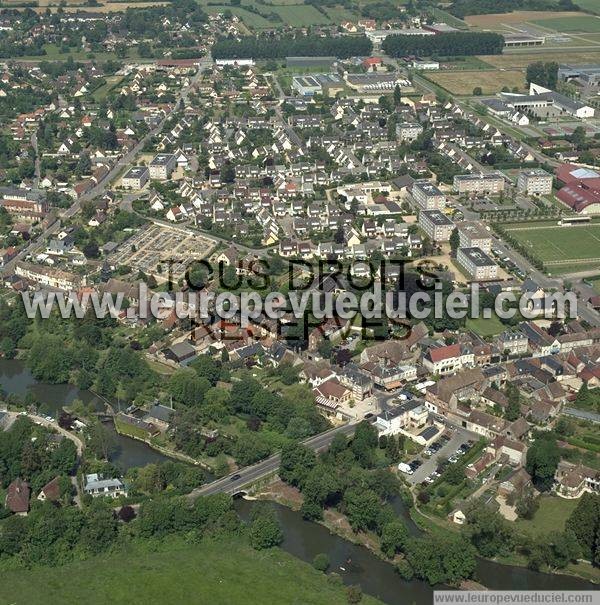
161,153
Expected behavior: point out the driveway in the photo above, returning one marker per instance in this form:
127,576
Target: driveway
459,436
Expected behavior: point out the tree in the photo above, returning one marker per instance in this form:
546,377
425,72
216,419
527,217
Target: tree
321,562
542,460
362,508
454,240
296,463
101,441
488,531
397,96
513,409
584,523
354,594
394,537
527,504
265,531
477,91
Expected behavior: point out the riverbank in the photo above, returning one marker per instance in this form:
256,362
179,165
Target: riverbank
123,430
490,574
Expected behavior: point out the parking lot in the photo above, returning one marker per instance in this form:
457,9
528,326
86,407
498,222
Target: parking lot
458,437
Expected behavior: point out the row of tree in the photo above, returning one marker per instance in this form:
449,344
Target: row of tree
453,43
264,47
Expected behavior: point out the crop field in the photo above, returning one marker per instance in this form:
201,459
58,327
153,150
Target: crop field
581,24
561,249
463,82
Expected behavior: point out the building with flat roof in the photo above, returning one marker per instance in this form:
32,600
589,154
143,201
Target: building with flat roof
376,81
540,97
162,166
479,183
535,182
317,84
427,196
477,263
436,225
408,131
474,235
136,177
586,74
513,40
377,36
305,62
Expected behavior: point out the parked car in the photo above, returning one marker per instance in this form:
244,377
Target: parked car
405,468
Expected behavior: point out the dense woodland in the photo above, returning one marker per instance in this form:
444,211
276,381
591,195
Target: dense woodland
462,8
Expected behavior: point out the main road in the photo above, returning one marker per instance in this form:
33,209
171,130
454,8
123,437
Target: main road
103,185
237,481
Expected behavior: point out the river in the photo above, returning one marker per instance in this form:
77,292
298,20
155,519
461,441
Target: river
305,539
16,378
302,539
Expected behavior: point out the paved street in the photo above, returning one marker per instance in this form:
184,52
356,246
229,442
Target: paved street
250,474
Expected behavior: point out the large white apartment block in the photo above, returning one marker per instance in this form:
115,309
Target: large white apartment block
408,131
535,182
427,196
474,235
436,225
477,263
489,183
162,166
136,177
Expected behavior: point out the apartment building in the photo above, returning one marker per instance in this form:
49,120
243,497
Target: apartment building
162,166
427,196
408,131
436,225
535,182
474,235
46,276
477,263
489,183
136,178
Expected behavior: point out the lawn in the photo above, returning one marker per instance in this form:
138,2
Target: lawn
561,249
551,516
582,24
206,574
486,327
463,82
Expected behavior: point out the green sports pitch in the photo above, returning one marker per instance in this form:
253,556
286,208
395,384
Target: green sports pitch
562,249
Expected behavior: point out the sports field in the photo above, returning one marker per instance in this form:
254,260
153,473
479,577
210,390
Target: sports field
561,249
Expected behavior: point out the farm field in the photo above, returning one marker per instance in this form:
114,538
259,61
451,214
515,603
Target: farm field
561,249
78,5
172,574
301,15
463,82
581,24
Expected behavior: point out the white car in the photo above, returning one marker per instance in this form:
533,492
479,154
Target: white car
405,468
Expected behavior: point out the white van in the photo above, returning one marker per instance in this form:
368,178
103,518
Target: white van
405,468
